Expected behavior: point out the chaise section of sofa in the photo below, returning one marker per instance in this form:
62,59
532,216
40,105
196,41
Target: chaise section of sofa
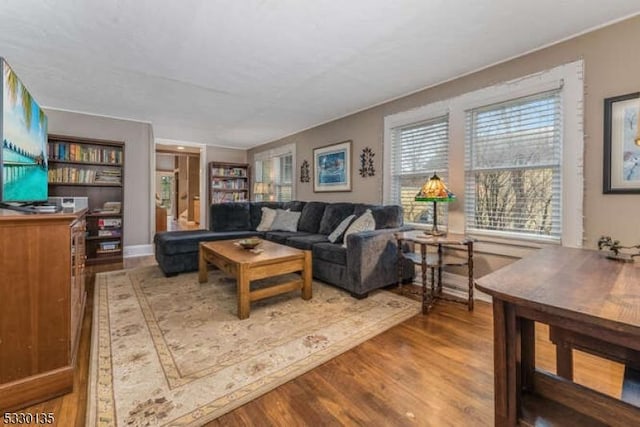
368,262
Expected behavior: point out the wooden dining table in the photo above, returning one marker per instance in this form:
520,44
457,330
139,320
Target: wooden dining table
582,295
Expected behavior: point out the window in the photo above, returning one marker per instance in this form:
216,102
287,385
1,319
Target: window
513,167
274,174
418,150
512,153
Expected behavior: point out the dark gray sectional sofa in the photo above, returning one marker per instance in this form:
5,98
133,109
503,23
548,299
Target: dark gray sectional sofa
369,262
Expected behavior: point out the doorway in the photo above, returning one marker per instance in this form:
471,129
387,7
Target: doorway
177,183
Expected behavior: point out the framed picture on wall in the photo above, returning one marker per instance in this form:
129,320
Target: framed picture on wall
621,144
332,167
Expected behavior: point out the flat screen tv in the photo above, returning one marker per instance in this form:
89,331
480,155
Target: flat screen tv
23,128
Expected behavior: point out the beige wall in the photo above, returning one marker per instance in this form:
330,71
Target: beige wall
139,146
611,68
219,154
138,139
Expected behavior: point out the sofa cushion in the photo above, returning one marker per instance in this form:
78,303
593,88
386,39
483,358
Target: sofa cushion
295,205
364,222
282,236
331,252
306,242
311,216
337,234
180,242
389,216
268,215
285,221
232,216
333,215
256,209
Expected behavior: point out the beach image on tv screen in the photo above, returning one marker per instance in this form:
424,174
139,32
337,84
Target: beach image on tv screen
24,142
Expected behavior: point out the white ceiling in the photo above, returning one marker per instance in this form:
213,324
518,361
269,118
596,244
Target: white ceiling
245,72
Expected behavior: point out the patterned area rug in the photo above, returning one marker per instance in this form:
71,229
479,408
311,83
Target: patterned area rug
172,352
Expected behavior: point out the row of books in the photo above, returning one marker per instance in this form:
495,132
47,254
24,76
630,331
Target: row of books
229,184
218,197
72,175
109,176
82,153
229,172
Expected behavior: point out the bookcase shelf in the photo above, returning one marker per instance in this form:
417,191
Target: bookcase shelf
91,168
229,182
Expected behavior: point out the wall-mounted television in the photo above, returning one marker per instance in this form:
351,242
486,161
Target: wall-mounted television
23,128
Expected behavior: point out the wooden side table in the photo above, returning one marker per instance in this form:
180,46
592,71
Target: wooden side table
436,261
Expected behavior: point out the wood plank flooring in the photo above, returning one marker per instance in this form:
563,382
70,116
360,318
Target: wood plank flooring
434,370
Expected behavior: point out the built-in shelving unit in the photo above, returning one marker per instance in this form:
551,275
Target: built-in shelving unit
229,182
92,168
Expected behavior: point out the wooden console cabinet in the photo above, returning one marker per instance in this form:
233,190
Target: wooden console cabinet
42,297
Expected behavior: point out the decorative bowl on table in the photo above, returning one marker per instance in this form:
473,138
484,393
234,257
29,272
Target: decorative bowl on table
249,243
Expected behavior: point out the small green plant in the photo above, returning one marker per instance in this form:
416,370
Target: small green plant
617,249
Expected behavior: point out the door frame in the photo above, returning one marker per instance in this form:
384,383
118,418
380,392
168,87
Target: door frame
204,218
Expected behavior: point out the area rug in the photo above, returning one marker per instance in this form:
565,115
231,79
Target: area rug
172,351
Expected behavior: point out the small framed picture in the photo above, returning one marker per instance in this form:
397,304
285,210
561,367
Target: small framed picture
621,144
332,168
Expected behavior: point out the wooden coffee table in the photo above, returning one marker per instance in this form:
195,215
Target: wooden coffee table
246,266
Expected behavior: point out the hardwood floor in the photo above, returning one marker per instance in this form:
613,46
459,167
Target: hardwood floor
429,370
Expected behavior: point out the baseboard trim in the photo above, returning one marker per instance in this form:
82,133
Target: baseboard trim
36,388
137,250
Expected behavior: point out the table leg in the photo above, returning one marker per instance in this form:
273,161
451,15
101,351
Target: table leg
244,292
425,302
399,246
202,267
527,334
439,269
470,271
306,276
564,360
504,356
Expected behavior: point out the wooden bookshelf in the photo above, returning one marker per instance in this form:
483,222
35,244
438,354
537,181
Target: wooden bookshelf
229,182
92,168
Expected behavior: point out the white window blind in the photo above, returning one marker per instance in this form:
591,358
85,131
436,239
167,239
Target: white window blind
284,178
418,151
513,167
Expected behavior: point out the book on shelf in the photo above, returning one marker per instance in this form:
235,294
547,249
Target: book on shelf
109,245
108,176
109,223
109,232
107,251
109,208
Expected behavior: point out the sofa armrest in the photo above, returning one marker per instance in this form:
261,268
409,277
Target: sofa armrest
372,260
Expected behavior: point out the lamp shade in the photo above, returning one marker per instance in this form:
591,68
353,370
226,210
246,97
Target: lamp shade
260,188
434,190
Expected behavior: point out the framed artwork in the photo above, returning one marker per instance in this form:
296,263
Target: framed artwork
621,144
332,167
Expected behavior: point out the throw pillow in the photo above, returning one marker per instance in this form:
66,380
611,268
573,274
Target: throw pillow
268,215
285,221
336,234
364,223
